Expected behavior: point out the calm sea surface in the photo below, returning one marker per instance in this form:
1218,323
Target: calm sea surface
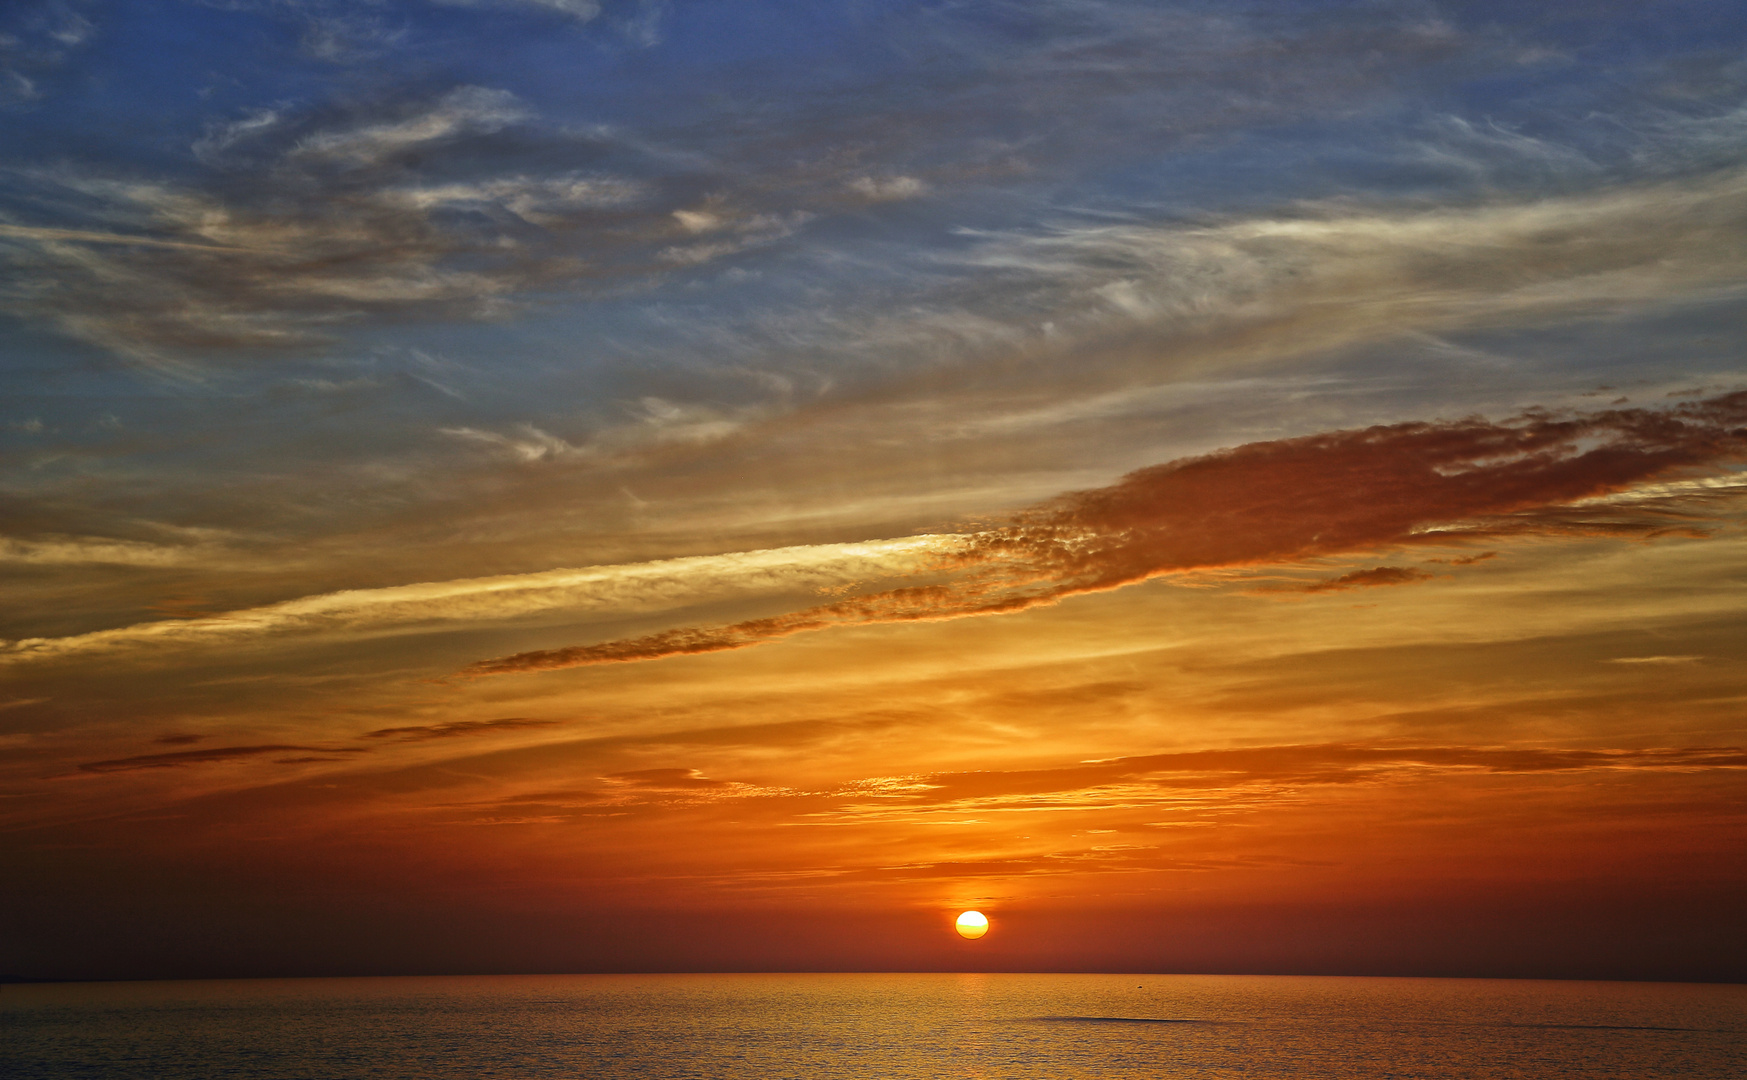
873,1026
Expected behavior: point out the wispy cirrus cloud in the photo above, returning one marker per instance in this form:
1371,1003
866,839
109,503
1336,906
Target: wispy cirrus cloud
1659,660
466,110
1374,577
74,550
301,753
1335,273
347,32
1086,316
1334,763
177,759
36,38
456,729
580,10
634,587
667,780
1269,503
1178,788
449,205
309,219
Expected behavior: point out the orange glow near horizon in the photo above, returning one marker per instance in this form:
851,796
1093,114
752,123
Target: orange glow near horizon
1190,747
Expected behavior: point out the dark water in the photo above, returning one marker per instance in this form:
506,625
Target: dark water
884,1027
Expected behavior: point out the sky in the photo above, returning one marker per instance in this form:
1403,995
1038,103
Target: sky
667,485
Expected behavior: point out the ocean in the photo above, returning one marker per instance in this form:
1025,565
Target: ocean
872,1027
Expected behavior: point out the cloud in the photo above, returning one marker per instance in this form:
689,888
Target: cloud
538,200
1271,503
1331,273
1187,788
456,729
579,10
1048,326
453,205
466,110
730,230
463,204
305,754
334,31
667,779
650,421
1213,782
621,589
1470,560
1321,763
23,232
1660,660
1365,579
887,188
305,220
36,38
528,445
183,758
73,550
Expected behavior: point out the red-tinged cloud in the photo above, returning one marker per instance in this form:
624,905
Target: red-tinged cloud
1366,579
1306,764
1182,787
1467,560
183,758
667,779
1269,503
455,729
302,754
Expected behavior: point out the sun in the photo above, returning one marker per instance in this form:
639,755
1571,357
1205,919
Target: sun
972,924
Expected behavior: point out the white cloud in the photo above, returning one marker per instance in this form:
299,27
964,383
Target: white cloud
580,10
633,587
220,137
1345,273
530,444
464,110
16,87
540,201
888,188
1658,660
76,550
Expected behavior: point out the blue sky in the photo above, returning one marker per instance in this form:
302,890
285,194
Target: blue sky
354,264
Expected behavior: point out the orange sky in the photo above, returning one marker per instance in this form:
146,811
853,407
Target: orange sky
1529,718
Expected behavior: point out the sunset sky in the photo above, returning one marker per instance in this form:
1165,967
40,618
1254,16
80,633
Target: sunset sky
557,485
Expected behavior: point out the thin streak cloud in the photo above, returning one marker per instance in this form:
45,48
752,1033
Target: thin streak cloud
182,758
456,729
648,586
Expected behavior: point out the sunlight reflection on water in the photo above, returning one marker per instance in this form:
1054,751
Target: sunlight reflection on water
872,1026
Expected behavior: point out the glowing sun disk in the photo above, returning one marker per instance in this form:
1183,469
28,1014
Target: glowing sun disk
972,924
